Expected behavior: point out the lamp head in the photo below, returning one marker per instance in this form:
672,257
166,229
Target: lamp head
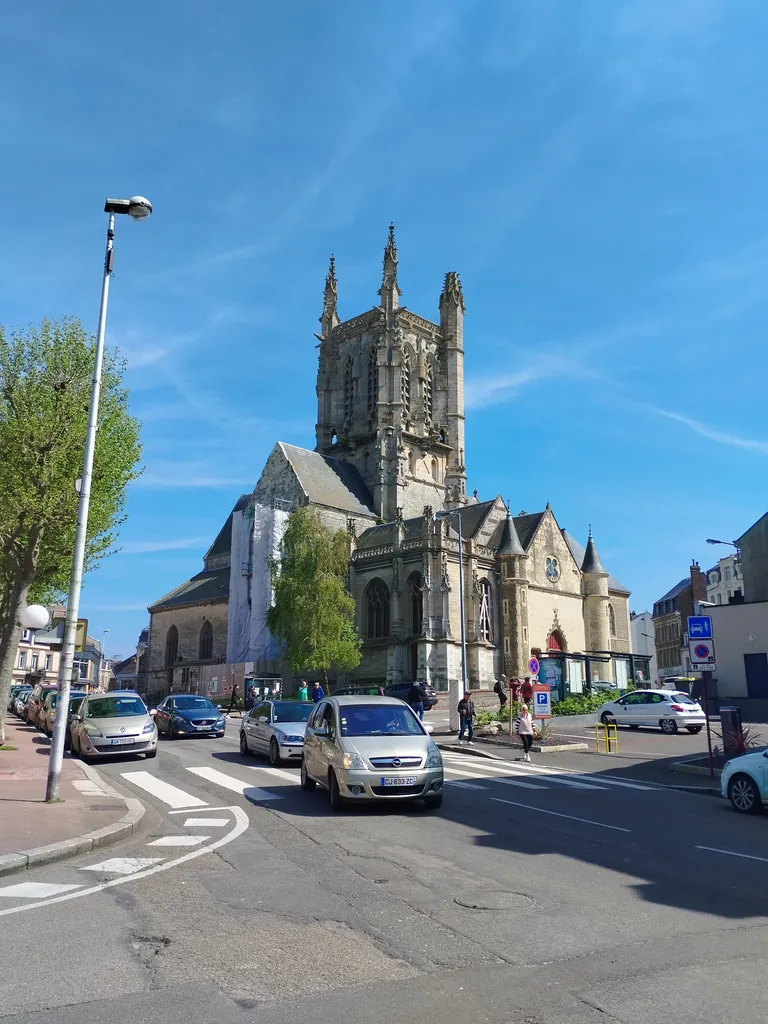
139,208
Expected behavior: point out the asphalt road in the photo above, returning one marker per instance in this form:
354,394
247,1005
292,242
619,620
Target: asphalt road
535,895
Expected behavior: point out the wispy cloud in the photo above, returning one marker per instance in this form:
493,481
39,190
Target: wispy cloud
143,547
712,433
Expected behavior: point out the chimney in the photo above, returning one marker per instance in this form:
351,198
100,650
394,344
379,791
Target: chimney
698,583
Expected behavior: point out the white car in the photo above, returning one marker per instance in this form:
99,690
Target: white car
744,781
669,710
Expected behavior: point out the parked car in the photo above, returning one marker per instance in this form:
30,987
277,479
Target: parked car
361,689
46,716
189,714
36,701
669,711
14,693
20,704
744,781
370,748
113,723
402,691
275,727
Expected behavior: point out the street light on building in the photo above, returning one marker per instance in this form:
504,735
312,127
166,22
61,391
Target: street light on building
138,208
452,696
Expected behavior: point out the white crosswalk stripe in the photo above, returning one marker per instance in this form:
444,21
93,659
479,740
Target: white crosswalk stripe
170,795
543,775
496,778
252,793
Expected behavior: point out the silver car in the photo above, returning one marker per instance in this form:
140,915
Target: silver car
113,723
370,748
275,727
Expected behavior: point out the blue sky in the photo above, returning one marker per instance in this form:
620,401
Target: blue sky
594,170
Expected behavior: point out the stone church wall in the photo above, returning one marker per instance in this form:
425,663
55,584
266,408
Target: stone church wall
188,621
541,618
621,641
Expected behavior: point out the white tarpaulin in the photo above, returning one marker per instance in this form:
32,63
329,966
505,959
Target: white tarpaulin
239,614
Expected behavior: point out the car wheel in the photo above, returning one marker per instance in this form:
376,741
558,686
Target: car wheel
607,718
668,725
151,753
244,745
744,794
274,753
171,732
433,803
334,793
694,728
307,783
634,727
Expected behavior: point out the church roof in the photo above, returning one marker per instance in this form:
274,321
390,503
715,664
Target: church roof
377,536
207,586
510,542
329,482
579,553
526,526
223,543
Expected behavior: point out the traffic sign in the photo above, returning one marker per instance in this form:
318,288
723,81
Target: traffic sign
533,666
699,627
542,697
708,667
701,652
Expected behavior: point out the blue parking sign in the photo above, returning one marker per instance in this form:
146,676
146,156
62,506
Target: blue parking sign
700,627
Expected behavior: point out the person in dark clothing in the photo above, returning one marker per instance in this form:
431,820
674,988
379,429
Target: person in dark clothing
466,709
501,690
233,699
416,699
317,693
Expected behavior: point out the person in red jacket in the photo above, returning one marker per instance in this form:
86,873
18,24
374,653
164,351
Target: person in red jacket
526,690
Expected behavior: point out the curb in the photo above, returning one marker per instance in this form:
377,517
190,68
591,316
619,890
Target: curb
13,862
454,748
692,769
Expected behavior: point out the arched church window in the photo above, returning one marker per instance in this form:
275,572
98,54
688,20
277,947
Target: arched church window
435,470
486,611
171,646
555,641
348,390
429,382
405,383
377,610
205,647
373,381
417,603
611,620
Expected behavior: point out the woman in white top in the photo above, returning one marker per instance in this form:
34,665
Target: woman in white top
524,729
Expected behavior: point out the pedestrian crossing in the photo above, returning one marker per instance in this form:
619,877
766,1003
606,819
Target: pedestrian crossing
528,775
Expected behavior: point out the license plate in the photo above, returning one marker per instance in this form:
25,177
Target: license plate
399,781
122,740
204,728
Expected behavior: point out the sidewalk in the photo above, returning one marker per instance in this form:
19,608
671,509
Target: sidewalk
91,812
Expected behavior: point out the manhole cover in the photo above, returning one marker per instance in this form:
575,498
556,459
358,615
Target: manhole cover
495,899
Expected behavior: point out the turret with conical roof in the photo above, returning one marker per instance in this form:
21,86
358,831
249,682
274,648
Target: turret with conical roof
511,557
594,584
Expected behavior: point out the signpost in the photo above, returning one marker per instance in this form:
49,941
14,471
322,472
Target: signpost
533,666
542,697
702,655
701,651
700,627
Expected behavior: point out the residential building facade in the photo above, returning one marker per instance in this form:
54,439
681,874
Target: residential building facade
725,581
644,645
670,622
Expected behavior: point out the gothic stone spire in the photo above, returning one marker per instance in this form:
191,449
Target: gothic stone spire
390,291
592,564
331,295
452,294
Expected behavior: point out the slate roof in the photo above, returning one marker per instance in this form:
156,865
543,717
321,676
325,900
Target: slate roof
377,536
592,563
676,591
526,526
578,552
329,482
509,542
208,585
223,543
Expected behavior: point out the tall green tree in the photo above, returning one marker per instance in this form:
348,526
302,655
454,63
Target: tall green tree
313,615
45,385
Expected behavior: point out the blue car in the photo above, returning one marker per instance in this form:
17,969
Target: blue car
188,714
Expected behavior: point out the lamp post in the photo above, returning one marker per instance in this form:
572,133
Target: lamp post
138,208
102,658
452,696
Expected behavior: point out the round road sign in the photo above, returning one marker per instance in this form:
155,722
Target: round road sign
702,651
533,666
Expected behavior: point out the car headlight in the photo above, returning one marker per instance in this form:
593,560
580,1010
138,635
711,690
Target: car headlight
91,730
353,761
221,721
149,727
293,740
434,760
178,720
726,765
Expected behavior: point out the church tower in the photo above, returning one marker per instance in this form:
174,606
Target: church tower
390,395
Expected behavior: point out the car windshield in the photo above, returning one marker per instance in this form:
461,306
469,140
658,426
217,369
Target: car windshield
681,698
378,720
74,704
115,707
290,711
191,703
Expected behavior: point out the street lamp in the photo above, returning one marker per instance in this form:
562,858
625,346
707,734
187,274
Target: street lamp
454,722
102,659
138,208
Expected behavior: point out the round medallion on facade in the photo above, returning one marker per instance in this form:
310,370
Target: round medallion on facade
552,568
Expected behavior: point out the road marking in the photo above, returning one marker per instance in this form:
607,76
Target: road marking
732,853
493,778
241,825
35,890
556,814
524,767
205,822
122,865
87,788
186,810
464,785
252,793
170,795
274,771
179,841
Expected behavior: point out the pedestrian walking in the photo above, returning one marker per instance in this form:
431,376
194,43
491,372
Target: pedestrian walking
502,691
416,697
303,693
466,709
317,693
524,729
514,687
526,690
232,699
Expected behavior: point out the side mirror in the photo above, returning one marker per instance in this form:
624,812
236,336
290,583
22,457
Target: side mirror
429,728
322,731
153,712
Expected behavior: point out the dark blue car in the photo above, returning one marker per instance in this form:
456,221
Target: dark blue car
188,714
